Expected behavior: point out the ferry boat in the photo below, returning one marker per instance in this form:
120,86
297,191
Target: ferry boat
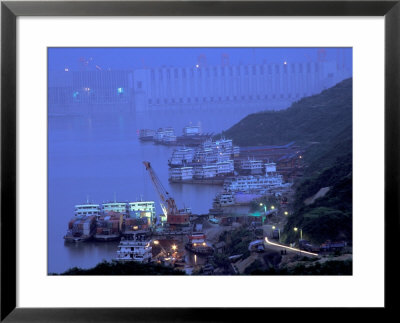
181,157
251,166
137,249
225,167
169,139
205,171
198,245
87,210
191,130
254,183
223,199
146,134
180,174
164,132
115,207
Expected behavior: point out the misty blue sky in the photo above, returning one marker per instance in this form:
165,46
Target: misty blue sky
132,58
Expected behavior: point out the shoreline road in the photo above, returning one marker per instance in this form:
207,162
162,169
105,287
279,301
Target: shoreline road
279,247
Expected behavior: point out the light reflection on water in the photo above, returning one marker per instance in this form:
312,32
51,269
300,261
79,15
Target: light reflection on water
99,156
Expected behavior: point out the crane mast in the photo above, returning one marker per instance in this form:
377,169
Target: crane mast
167,202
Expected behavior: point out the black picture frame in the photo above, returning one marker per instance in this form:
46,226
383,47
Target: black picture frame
10,10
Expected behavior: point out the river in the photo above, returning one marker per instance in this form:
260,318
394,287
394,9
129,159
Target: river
99,157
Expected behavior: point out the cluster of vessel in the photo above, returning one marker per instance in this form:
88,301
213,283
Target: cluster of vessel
210,160
191,136
109,221
219,162
136,225
241,190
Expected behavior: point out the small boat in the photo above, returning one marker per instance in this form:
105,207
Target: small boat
137,249
198,245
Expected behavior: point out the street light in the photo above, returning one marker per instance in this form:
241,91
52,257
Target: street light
301,232
279,233
265,207
286,212
301,236
272,207
174,247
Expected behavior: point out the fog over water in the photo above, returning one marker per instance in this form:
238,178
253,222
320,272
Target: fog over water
99,157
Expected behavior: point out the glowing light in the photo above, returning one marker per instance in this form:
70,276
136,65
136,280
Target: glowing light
66,69
120,90
273,227
261,204
195,244
174,247
135,227
272,207
156,242
286,213
295,229
300,157
204,243
289,248
284,63
197,65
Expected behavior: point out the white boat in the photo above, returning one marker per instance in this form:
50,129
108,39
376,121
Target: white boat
225,167
134,250
205,171
146,134
165,134
191,130
224,199
181,157
180,174
87,210
117,207
254,183
251,166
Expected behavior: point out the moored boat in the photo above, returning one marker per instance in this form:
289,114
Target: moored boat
80,229
136,249
198,245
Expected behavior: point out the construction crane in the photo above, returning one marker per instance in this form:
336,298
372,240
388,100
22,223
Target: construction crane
174,216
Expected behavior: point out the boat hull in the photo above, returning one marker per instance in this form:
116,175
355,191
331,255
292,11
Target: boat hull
106,237
203,251
71,239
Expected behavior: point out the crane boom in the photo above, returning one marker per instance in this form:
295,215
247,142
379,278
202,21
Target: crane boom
167,202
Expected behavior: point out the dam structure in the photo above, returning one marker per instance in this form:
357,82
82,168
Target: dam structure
256,87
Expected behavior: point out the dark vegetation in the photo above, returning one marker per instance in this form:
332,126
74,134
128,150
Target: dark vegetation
323,125
237,242
128,268
331,267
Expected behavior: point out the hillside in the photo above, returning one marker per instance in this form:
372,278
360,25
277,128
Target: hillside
316,118
323,124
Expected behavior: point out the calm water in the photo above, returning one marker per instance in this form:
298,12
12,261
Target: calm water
101,157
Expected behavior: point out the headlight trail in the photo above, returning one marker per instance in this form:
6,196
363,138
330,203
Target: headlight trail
290,248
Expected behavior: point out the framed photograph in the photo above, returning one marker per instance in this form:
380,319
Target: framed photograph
154,152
